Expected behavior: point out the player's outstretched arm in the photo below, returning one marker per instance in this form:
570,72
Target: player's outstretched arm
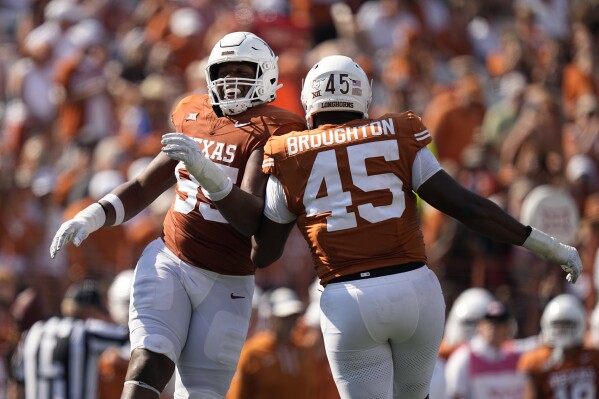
485,217
124,202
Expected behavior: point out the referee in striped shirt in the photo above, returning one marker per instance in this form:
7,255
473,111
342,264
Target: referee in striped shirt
58,357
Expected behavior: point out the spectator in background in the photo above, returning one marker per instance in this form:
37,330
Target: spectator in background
31,106
551,16
84,104
58,357
460,326
581,179
380,22
144,112
273,364
62,14
579,76
454,116
502,115
561,366
581,135
533,147
486,366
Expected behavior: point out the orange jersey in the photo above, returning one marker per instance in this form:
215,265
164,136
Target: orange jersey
351,189
577,376
193,228
268,369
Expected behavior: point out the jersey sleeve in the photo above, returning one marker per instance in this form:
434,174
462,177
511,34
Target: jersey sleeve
420,133
273,148
275,203
425,165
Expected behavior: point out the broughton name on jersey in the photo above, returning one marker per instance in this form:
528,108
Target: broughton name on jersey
296,144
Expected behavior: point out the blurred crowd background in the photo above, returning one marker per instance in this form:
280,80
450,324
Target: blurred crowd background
508,89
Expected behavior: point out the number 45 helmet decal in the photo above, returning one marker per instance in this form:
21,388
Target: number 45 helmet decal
336,83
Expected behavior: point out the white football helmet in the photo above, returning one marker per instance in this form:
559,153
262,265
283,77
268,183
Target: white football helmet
467,309
242,47
118,296
336,83
563,322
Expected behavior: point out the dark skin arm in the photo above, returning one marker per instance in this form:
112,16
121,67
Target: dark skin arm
140,192
269,241
480,214
440,191
246,217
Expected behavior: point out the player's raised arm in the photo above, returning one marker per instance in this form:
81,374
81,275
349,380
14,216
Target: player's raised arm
485,217
123,203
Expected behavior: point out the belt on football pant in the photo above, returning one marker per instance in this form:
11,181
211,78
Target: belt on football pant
383,271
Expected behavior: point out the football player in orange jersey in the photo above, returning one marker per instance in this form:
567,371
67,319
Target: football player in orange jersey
349,184
192,291
561,367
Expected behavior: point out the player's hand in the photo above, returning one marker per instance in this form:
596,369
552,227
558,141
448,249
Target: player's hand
77,229
184,149
72,230
573,266
555,252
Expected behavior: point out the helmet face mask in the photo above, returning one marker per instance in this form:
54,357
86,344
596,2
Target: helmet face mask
336,83
563,322
235,94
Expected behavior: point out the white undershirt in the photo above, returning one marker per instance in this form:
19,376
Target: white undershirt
275,204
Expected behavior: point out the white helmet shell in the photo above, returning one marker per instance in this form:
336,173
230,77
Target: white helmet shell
336,83
243,47
564,308
467,309
118,296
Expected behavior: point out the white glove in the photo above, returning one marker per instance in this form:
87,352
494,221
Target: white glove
77,229
184,149
555,252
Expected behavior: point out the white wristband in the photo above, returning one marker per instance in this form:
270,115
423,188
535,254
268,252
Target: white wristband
219,195
93,216
211,177
117,204
547,246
